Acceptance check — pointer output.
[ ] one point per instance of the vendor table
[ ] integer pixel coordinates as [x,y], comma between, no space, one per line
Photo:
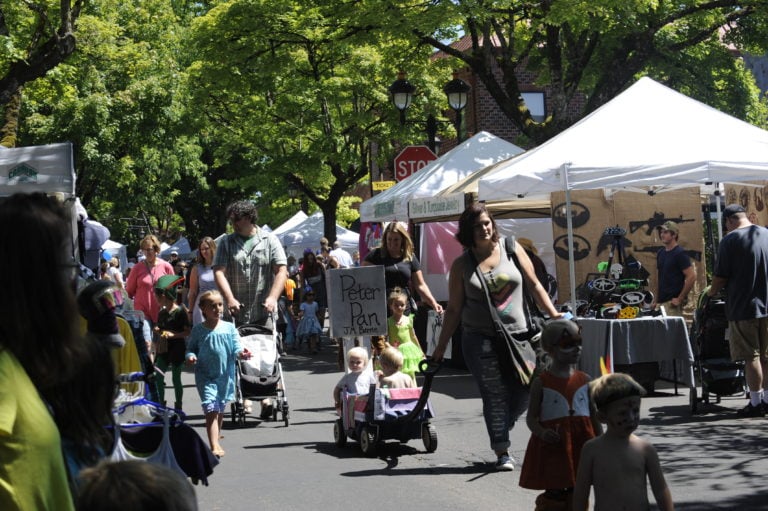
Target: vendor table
[632,341]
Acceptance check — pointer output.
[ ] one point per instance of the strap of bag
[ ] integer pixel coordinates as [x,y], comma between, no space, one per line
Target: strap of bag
[494,312]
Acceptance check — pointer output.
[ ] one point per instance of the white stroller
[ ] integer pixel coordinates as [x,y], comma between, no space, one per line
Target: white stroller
[261,376]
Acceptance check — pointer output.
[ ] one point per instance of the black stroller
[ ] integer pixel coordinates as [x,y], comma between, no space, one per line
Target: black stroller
[386,414]
[261,377]
[716,372]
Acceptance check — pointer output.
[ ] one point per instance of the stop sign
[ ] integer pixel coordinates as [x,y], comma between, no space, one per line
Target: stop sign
[411,159]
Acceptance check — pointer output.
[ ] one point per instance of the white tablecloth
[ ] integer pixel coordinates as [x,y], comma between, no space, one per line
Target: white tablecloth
[630,341]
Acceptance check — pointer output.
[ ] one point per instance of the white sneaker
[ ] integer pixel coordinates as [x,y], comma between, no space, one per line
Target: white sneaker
[505,463]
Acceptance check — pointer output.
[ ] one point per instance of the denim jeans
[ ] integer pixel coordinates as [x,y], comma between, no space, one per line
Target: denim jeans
[504,397]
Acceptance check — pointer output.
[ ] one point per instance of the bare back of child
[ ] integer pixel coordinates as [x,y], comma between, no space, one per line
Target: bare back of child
[391,376]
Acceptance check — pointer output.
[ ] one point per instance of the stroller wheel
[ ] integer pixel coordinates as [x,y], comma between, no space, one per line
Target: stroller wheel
[339,435]
[285,413]
[368,441]
[429,437]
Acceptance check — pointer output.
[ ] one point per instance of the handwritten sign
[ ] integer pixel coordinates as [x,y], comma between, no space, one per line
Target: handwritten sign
[357,302]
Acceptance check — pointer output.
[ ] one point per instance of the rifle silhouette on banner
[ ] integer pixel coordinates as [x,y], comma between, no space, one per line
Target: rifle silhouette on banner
[657,220]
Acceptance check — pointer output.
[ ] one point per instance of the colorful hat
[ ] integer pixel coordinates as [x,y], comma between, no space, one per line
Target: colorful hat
[97,303]
[167,285]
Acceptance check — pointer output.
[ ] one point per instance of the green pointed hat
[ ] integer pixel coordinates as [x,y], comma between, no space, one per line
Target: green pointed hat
[167,285]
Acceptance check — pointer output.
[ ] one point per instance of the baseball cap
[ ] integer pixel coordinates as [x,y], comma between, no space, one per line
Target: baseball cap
[670,226]
[732,209]
[174,252]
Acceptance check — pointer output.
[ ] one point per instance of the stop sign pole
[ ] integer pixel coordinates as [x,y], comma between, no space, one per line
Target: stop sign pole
[412,159]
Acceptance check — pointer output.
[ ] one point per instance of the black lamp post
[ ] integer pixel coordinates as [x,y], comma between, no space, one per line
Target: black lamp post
[457,91]
[401,91]
[293,192]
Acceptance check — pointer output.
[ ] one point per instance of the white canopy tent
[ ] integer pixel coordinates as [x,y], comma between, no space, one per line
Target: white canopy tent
[307,234]
[477,152]
[650,137]
[295,220]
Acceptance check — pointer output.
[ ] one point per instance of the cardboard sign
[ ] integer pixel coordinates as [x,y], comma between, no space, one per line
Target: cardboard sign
[357,301]
[640,215]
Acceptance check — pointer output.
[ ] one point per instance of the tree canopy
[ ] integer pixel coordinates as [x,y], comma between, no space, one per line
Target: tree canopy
[177,107]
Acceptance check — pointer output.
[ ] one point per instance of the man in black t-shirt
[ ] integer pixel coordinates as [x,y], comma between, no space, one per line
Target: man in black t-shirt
[741,269]
[676,275]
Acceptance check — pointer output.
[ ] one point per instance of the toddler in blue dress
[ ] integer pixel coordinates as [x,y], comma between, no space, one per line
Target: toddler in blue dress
[213,349]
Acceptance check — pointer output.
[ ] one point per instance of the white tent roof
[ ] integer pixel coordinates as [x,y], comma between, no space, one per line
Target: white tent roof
[308,233]
[295,220]
[477,152]
[649,136]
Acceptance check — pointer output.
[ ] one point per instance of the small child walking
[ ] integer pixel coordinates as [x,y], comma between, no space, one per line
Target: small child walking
[214,348]
[170,333]
[391,376]
[561,418]
[618,463]
[309,327]
[401,333]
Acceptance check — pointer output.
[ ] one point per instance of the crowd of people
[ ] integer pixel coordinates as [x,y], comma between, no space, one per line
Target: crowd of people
[246,276]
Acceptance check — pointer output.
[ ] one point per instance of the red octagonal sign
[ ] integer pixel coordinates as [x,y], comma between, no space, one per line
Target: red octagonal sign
[412,159]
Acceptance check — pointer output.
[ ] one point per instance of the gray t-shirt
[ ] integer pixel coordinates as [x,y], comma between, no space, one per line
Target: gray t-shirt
[505,283]
[742,258]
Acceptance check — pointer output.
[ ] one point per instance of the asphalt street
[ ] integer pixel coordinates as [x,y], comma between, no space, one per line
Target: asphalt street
[711,460]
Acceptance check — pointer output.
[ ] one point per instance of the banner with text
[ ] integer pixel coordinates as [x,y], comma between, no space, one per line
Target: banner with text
[436,206]
[357,301]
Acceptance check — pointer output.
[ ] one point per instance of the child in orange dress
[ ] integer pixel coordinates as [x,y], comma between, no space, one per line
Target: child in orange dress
[561,418]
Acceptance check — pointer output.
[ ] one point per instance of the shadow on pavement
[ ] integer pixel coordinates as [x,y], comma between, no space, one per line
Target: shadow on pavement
[757,500]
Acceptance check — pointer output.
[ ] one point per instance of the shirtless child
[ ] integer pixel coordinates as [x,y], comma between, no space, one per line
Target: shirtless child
[618,463]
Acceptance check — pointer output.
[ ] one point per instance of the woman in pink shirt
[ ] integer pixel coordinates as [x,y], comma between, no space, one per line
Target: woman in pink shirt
[142,278]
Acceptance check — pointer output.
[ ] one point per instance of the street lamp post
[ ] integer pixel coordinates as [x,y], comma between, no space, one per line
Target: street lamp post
[293,192]
[457,90]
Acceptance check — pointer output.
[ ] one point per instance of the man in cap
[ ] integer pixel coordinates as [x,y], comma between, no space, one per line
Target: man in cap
[175,260]
[742,270]
[676,275]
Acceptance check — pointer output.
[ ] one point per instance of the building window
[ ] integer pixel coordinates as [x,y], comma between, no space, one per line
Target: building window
[535,103]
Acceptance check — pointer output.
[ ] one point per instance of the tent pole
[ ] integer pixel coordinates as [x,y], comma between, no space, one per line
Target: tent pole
[569,226]
[719,215]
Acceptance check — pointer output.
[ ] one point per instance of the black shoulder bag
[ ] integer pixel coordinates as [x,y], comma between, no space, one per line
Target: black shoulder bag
[515,352]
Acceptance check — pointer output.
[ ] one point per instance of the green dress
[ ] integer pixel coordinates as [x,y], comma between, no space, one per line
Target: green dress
[400,337]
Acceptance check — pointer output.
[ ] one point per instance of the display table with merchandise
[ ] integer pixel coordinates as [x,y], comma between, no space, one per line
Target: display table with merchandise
[624,343]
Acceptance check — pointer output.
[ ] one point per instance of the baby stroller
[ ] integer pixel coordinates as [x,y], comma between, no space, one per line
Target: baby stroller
[387,414]
[260,377]
[718,374]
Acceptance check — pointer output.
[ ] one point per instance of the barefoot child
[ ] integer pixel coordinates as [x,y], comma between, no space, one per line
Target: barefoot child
[561,418]
[391,375]
[213,348]
[618,463]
